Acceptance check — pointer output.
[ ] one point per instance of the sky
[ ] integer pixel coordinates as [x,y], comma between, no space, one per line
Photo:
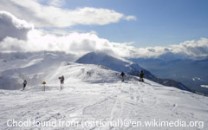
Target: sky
[129,28]
[158,22]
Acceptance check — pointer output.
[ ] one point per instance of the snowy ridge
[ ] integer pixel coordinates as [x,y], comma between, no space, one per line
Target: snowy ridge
[83,101]
[48,67]
[91,92]
[117,64]
[36,67]
[33,67]
[129,67]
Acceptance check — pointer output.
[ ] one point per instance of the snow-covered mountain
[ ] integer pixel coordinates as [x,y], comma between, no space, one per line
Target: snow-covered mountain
[192,73]
[92,92]
[38,66]
[34,67]
[117,64]
[45,66]
[132,68]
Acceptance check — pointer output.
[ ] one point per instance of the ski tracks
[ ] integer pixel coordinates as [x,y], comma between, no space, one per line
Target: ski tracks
[117,109]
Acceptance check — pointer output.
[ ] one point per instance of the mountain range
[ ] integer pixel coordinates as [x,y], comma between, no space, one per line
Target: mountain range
[127,66]
[192,73]
[92,91]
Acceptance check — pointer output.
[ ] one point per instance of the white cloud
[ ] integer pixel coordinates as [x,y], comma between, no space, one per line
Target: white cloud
[12,26]
[56,3]
[21,36]
[37,40]
[51,15]
[81,43]
[18,35]
[194,49]
[130,18]
[77,43]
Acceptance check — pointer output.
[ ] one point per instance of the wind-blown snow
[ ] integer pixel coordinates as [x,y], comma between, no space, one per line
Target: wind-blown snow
[34,67]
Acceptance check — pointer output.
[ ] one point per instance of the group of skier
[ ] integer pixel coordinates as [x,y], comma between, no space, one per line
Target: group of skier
[141,76]
[61,79]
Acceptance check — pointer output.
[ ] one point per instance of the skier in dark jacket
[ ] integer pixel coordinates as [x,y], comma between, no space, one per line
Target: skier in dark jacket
[61,82]
[122,76]
[24,84]
[141,75]
[44,85]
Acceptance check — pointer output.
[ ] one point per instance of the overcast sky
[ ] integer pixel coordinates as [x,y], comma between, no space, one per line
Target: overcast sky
[128,27]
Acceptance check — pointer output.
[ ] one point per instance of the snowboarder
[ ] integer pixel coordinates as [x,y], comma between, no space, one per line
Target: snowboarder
[24,84]
[141,75]
[61,82]
[122,76]
[44,83]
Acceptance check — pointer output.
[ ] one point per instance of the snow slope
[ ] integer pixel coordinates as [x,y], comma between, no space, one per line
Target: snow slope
[192,73]
[114,63]
[34,67]
[120,64]
[95,93]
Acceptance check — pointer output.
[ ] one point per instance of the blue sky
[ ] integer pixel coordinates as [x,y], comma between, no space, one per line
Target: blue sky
[159,22]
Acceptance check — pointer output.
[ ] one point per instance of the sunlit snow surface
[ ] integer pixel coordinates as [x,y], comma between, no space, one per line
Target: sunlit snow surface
[92,92]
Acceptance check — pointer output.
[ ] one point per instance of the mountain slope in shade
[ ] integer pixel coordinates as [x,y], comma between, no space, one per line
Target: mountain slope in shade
[192,73]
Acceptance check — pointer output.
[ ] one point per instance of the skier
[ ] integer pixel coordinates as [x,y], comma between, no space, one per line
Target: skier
[44,83]
[61,82]
[141,75]
[24,84]
[122,76]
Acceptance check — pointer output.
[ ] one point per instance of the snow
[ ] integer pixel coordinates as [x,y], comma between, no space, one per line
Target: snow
[115,63]
[34,67]
[81,101]
[91,93]
[204,86]
[196,78]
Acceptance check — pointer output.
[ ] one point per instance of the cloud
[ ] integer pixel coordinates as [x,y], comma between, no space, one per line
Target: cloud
[51,15]
[130,18]
[76,43]
[18,35]
[192,49]
[23,37]
[10,26]
[56,3]
[81,43]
